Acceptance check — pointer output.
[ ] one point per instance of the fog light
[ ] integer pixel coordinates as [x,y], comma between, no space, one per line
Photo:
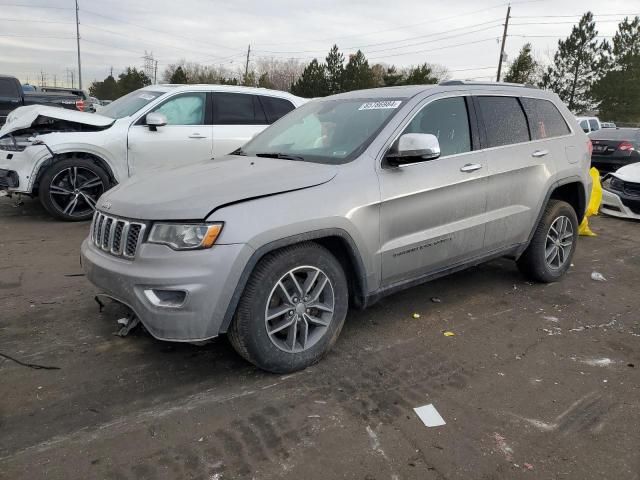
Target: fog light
[166,298]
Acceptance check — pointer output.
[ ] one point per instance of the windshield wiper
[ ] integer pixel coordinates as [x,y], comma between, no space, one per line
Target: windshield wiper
[282,156]
[238,151]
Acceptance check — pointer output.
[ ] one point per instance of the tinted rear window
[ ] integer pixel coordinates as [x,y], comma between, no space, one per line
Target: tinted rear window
[594,125]
[544,118]
[616,134]
[504,121]
[9,88]
[237,109]
[275,108]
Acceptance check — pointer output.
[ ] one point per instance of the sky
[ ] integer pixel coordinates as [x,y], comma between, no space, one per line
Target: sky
[39,36]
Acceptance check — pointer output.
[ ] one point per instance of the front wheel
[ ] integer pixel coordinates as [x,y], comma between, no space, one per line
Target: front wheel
[292,309]
[69,189]
[549,254]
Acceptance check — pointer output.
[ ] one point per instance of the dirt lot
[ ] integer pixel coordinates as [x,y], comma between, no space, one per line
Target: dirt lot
[538,381]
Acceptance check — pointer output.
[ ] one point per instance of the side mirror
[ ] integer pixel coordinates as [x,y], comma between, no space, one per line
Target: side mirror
[155,120]
[412,148]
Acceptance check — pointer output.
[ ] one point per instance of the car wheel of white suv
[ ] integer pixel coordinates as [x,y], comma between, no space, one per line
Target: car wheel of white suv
[292,309]
[69,189]
[549,254]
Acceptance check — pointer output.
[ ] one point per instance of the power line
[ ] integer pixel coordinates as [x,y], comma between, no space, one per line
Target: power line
[35,36]
[579,15]
[34,6]
[444,47]
[560,23]
[33,21]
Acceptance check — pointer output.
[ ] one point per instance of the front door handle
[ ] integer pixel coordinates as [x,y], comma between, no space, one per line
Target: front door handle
[540,153]
[470,167]
[197,135]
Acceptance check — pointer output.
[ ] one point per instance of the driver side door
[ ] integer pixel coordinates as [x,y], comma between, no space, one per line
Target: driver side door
[186,138]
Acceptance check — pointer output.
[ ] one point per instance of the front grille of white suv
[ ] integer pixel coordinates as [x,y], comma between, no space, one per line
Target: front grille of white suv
[116,236]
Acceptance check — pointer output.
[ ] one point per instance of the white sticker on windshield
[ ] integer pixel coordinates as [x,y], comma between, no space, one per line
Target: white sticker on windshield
[146,96]
[380,105]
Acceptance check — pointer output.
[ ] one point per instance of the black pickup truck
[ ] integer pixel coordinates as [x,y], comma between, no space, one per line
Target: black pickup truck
[12,97]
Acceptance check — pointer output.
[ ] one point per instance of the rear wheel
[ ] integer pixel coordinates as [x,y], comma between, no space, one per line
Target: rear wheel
[549,254]
[292,310]
[69,189]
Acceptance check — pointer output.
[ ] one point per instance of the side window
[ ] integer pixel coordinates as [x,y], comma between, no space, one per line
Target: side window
[186,109]
[504,120]
[594,125]
[448,120]
[545,119]
[9,88]
[584,125]
[237,109]
[275,108]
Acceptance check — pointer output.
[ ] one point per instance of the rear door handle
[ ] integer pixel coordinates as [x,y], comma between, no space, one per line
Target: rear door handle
[470,167]
[197,135]
[540,153]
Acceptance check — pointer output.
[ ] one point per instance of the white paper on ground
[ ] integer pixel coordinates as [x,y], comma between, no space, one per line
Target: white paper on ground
[429,416]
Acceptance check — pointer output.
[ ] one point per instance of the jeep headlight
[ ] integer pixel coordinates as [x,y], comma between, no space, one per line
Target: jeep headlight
[185,236]
[12,143]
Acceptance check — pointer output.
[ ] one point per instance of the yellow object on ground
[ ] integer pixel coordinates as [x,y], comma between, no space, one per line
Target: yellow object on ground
[594,203]
[448,334]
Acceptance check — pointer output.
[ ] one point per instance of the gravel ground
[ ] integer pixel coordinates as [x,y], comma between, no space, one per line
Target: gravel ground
[539,381]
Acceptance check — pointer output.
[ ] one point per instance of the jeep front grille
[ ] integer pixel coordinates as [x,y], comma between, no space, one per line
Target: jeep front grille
[116,236]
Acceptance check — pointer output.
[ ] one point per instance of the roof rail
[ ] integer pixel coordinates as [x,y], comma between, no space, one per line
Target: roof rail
[448,83]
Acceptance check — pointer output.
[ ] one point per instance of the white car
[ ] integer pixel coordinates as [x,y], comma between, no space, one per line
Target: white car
[621,192]
[68,158]
[589,124]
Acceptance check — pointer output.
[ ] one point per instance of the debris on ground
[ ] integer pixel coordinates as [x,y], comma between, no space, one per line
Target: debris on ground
[448,334]
[35,366]
[128,323]
[598,362]
[436,300]
[598,277]
[528,466]
[416,315]
[503,447]
[429,416]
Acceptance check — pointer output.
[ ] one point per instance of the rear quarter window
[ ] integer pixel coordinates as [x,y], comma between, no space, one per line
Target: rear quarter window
[544,118]
[275,108]
[237,109]
[504,121]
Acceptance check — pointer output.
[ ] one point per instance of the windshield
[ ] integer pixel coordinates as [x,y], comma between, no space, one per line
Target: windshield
[129,104]
[324,131]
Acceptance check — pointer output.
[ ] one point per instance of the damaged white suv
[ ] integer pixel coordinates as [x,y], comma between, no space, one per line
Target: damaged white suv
[68,159]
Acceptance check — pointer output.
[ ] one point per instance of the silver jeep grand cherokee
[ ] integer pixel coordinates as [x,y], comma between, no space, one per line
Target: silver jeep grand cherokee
[342,201]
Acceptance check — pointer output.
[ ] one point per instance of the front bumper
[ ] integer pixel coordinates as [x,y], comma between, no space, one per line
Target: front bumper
[620,205]
[208,277]
[8,179]
[22,168]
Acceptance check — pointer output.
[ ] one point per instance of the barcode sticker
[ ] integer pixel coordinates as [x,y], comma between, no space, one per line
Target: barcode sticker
[387,104]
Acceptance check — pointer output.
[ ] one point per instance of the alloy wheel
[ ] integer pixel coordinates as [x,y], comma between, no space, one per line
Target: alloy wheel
[559,243]
[74,191]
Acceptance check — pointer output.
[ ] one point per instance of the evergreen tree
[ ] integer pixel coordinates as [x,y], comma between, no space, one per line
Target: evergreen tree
[335,70]
[618,91]
[357,73]
[577,64]
[132,79]
[264,81]
[179,77]
[105,90]
[524,67]
[392,77]
[420,75]
[312,82]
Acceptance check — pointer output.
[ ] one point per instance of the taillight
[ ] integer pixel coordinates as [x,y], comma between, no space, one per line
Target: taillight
[80,105]
[625,147]
[590,147]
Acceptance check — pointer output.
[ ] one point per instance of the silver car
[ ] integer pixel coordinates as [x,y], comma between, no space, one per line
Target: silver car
[342,201]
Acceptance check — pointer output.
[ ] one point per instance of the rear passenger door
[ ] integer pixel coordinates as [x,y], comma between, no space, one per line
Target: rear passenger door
[432,212]
[523,144]
[237,117]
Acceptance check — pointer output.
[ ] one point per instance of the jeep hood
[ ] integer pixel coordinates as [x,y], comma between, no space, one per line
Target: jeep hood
[193,191]
[629,173]
[25,117]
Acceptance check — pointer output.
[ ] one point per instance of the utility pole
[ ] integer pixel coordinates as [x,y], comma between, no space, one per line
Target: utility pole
[78,41]
[155,74]
[55,80]
[246,67]
[504,39]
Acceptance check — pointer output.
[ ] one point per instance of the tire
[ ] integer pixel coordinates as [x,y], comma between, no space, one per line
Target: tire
[259,341]
[538,262]
[69,189]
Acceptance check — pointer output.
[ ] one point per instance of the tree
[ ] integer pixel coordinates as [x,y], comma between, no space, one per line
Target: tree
[132,79]
[578,63]
[178,76]
[357,73]
[264,81]
[618,91]
[312,82]
[335,70]
[420,75]
[524,67]
[392,77]
[105,90]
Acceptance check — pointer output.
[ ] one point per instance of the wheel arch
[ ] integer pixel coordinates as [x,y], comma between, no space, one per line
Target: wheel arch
[58,157]
[337,241]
